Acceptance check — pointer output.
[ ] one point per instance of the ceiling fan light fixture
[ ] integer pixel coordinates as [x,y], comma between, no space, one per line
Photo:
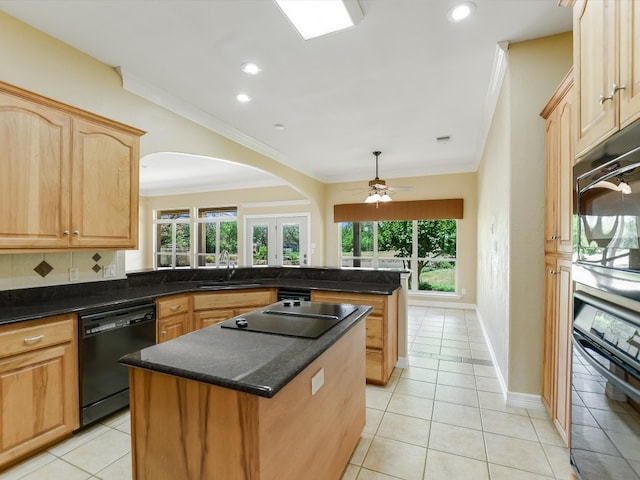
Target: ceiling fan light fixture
[372,198]
[385,197]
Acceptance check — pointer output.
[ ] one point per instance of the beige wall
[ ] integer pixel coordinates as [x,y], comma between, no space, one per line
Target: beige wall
[510,219]
[462,185]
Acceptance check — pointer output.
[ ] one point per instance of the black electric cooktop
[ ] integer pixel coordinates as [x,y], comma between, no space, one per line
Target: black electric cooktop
[292,318]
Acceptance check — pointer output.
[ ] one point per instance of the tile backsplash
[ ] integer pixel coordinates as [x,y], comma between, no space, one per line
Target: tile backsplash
[26,270]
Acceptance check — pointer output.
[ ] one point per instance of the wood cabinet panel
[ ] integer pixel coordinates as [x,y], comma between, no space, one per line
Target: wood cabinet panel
[174,317]
[173,327]
[104,193]
[38,386]
[35,165]
[211,317]
[629,26]
[172,305]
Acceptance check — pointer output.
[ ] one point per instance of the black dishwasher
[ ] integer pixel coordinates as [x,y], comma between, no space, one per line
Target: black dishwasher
[105,336]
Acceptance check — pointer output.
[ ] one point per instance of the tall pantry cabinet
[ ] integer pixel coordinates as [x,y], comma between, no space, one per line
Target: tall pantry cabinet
[558,288]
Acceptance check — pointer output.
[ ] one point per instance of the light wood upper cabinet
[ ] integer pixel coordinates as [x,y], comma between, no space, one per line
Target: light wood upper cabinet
[38,385]
[104,186]
[607,74]
[35,165]
[69,178]
[559,161]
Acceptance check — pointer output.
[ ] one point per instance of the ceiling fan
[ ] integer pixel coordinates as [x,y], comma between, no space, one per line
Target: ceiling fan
[378,190]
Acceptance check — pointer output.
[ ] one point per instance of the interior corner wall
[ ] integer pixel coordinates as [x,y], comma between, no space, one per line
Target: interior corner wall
[493,230]
[511,221]
[546,61]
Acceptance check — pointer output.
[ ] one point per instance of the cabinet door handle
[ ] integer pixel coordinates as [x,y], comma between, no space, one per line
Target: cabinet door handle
[552,272]
[76,232]
[175,308]
[614,89]
[163,332]
[66,232]
[30,340]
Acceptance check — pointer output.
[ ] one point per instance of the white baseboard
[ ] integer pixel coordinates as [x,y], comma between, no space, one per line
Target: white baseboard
[425,302]
[402,362]
[512,399]
[524,400]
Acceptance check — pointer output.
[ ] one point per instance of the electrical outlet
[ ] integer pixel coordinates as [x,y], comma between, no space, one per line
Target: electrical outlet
[74,275]
[109,271]
[317,381]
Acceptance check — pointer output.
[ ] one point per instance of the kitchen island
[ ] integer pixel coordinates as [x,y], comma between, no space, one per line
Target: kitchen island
[224,403]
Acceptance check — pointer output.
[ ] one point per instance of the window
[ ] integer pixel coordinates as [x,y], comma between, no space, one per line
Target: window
[426,247]
[217,233]
[173,238]
[186,240]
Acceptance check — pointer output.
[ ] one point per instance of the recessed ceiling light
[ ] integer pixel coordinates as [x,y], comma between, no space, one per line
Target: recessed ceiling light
[313,18]
[460,11]
[251,68]
[243,97]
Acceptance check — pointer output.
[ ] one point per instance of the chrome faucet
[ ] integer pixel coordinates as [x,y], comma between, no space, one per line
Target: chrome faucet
[226,258]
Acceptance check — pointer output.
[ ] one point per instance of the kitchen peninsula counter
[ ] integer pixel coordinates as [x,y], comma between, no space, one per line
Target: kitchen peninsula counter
[41,302]
[222,403]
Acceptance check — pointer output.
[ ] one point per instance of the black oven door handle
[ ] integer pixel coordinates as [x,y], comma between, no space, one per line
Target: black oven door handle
[582,345]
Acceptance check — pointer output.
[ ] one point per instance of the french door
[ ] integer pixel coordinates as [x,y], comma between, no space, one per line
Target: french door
[277,241]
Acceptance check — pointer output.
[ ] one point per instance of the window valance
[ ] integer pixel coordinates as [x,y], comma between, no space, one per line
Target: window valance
[448,208]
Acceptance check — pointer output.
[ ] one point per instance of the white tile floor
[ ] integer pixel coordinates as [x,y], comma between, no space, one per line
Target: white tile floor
[442,418]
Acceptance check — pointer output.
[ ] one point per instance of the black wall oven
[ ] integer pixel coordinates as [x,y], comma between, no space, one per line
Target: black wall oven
[605,406]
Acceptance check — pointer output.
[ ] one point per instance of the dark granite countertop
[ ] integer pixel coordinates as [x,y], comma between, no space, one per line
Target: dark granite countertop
[256,363]
[41,302]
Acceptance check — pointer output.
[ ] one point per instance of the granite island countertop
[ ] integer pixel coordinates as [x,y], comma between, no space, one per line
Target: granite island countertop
[252,362]
[41,302]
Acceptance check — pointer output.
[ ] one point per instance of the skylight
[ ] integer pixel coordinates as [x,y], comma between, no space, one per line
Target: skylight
[313,18]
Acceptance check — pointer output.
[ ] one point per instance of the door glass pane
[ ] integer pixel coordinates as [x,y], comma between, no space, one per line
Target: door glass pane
[260,238]
[290,244]
[207,244]
[229,240]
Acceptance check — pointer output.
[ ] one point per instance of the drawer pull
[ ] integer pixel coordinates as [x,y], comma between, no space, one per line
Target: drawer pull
[175,308]
[30,340]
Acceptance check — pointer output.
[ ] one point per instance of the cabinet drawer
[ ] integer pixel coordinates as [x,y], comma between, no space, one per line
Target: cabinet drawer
[243,298]
[374,368]
[208,318]
[375,337]
[27,336]
[172,305]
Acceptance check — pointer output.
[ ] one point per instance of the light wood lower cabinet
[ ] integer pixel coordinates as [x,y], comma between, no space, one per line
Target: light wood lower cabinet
[213,307]
[556,360]
[38,385]
[382,329]
[174,317]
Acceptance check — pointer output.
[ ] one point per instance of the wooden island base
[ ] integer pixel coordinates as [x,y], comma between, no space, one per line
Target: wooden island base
[183,429]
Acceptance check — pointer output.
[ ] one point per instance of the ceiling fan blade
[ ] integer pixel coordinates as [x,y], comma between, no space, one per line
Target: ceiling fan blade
[400,189]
